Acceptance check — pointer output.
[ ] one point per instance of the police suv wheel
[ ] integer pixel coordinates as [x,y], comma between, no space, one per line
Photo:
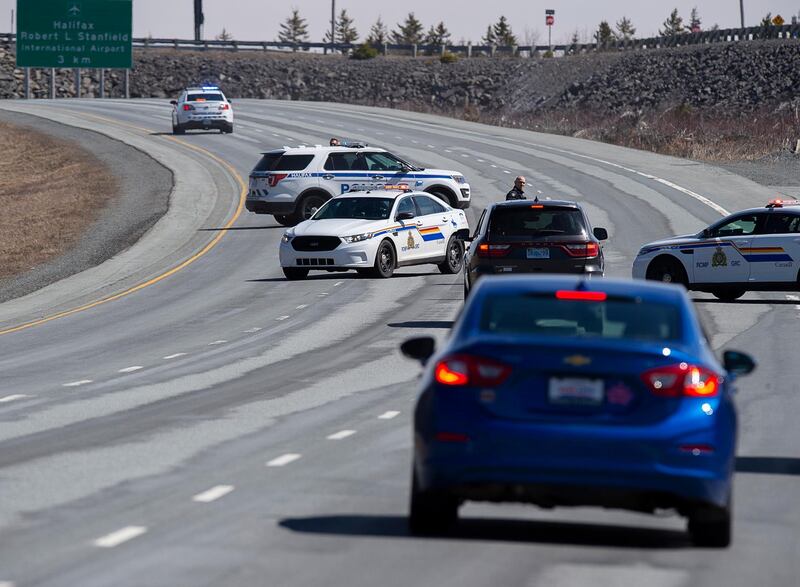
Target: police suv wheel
[309,205]
[385,261]
[454,257]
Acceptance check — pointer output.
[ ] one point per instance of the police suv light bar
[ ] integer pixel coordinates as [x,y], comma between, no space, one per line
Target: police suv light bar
[779,203]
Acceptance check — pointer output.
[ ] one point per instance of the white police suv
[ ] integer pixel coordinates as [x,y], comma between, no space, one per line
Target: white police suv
[202,108]
[752,250]
[292,183]
[374,232]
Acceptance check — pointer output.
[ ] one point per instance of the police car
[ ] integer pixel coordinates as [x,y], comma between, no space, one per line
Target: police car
[374,232]
[202,108]
[753,250]
[292,183]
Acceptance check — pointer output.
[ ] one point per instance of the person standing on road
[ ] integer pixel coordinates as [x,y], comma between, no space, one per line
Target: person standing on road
[518,191]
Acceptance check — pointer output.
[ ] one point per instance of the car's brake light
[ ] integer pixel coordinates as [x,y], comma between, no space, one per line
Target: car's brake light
[583,250]
[275,178]
[682,380]
[224,107]
[187,107]
[461,370]
[581,296]
[489,250]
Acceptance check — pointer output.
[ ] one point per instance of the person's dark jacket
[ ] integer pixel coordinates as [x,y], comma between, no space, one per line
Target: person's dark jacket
[516,194]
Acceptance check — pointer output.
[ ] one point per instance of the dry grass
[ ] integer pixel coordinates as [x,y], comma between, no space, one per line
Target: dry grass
[50,192]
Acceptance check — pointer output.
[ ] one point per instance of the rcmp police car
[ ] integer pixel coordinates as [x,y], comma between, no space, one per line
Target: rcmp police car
[292,183]
[375,232]
[202,108]
[752,250]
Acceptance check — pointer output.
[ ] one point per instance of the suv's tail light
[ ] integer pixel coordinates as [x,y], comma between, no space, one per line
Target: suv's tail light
[460,370]
[187,107]
[583,250]
[275,178]
[682,380]
[489,250]
[224,107]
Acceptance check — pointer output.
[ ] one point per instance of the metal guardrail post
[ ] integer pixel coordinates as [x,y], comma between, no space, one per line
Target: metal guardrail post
[102,83]
[385,49]
[52,83]
[26,83]
[414,51]
[127,84]
[77,82]
[469,50]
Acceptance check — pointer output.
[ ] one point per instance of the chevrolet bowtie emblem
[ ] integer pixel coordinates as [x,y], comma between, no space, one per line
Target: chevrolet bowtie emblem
[577,361]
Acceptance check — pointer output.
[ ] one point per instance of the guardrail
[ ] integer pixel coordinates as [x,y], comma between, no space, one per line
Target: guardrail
[791,31]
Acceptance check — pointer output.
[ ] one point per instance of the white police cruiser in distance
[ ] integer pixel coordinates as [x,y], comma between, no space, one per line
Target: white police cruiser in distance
[291,183]
[752,250]
[375,232]
[202,108]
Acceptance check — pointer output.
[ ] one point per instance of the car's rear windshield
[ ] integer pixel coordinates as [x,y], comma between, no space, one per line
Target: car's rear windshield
[613,318]
[205,98]
[281,162]
[525,222]
[356,208]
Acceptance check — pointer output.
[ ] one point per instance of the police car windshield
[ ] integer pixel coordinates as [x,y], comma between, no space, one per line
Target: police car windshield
[356,208]
[204,98]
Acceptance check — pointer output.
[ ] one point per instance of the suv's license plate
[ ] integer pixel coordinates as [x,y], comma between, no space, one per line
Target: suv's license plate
[539,253]
[576,391]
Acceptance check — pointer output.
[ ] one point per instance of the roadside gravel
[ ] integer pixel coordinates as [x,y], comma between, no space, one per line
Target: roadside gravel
[144,192]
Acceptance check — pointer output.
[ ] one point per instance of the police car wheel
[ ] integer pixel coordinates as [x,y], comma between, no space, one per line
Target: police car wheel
[295,273]
[384,261]
[667,270]
[177,129]
[364,272]
[454,257]
[729,294]
[284,220]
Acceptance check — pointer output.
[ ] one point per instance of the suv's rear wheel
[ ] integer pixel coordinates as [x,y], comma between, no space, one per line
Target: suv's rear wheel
[385,260]
[308,206]
[667,270]
[454,257]
[284,220]
[444,197]
[729,294]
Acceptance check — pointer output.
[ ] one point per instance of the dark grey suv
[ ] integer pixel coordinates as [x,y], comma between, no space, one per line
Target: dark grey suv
[525,236]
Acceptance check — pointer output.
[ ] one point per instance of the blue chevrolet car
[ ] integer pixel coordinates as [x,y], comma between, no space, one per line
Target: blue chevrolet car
[559,391]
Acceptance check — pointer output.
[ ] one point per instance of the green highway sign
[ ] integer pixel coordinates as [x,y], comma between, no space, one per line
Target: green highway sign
[74,33]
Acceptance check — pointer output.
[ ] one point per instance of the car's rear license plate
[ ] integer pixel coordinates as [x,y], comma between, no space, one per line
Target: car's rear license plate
[576,391]
[538,253]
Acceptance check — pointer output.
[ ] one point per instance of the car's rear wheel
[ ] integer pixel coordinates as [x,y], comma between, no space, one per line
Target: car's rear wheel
[385,261]
[729,294]
[284,220]
[308,206]
[295,273]
[667,270]
[711,527]
[430,512]
[454,257]
[228,129]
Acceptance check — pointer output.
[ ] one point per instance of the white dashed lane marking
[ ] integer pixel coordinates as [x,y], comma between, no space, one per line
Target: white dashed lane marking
[217,342]
[341,435]
[252,330]
[388,415]
[302,307]
[322,295]
[131,369]
[78,383]
[282,318]
[338,283]
[213,494]
[283,460]
[493,165]
[12,398]
[174,356]
[431,146]
[120,536]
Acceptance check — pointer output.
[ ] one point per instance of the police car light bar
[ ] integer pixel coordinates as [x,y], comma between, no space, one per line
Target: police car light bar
[779,203]
[403,187]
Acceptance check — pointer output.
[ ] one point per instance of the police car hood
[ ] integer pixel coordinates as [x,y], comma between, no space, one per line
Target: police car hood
[671,242]
[339,227]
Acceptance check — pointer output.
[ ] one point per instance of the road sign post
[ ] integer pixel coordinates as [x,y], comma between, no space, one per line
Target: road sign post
[550,20]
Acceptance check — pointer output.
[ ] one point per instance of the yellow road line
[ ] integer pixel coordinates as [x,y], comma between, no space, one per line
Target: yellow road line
[242,196]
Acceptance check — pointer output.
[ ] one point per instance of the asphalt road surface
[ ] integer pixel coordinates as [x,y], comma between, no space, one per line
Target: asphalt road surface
[223,426]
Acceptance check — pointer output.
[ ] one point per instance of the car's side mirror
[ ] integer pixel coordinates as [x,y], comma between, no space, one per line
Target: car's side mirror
[173,102]
[737,363]
[420,349]
[706,233]
[600,234]
[405,216]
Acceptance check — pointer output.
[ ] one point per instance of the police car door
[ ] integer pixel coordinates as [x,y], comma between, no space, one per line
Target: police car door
[337,176]
[406,236]
[436,226]
[775,251]
[722,258]
[385,168]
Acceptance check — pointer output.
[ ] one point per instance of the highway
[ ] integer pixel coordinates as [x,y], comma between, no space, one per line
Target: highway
[222,426]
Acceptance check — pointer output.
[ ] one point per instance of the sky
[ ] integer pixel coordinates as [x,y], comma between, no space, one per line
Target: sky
[259,20]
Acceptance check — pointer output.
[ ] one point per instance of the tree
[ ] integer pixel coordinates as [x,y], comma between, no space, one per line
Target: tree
[409,32]
[438,36]
[767,20]
[294,30]
[625,29]
[694,21]
[344,29]
[489,38]
[378,35]
[224,35]
[503,35]
[604,34]
[673,25]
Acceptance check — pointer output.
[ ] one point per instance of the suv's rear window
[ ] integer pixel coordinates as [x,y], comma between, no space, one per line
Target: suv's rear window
[281,162]
[614,318]
[205,98]
[526,222]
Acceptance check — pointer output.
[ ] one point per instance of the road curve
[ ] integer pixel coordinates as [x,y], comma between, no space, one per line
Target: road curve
[223,426]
